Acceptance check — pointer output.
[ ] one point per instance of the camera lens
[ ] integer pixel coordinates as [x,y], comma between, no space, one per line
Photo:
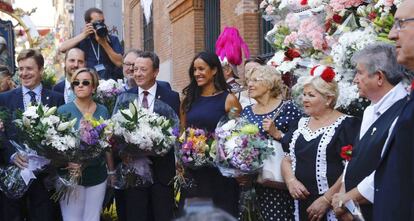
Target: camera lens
[100,28]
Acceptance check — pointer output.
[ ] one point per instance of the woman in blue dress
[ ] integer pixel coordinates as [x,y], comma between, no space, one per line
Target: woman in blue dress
[85,203]
[266,87]
[314,162]
[207,99]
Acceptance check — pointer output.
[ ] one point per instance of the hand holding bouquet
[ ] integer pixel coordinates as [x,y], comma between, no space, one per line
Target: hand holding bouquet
[45,137]
[241,151]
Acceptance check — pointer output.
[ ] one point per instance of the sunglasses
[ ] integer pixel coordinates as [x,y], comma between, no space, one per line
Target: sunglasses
[84,83]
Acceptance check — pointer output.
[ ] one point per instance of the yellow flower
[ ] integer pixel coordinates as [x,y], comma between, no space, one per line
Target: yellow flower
[250,129]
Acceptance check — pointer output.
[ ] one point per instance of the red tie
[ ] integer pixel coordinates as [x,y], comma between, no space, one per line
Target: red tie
[145,99]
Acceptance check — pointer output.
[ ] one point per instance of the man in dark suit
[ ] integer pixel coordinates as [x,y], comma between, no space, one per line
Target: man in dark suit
[74,59]
[394,177]
[145,202]
[36,201]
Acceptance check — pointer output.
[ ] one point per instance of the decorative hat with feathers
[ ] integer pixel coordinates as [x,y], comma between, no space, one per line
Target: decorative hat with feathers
[229,46]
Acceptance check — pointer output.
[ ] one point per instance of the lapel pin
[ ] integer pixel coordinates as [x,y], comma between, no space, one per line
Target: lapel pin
[159,97]
[373,131]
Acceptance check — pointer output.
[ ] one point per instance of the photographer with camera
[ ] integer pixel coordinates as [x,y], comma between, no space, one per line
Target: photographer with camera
[103,51]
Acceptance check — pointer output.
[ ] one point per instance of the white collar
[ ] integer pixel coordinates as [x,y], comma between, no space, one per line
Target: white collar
[230,79]
[37,89]
[396,93]
[67,84]
[151,91]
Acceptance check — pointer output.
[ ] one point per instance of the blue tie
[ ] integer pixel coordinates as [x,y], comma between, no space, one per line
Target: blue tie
[33,100]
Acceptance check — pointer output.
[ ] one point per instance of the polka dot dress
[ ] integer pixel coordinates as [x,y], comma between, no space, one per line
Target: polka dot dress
[275,204]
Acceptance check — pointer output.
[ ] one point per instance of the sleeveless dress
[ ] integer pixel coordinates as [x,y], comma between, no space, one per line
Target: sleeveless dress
[205,113]
[316,159]
[275,204]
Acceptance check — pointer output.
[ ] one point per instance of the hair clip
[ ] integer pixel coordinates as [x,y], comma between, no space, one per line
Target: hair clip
[325,72]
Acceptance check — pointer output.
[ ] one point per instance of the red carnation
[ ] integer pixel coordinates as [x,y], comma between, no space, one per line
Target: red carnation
[328,74]
[372,15]
[337,18]
[346,152]
[304,2]
[291,54]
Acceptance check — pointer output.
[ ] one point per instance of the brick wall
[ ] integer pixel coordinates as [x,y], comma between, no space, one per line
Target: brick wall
[179,31]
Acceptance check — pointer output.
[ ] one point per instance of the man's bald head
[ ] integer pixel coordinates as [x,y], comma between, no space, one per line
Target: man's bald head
[74,59]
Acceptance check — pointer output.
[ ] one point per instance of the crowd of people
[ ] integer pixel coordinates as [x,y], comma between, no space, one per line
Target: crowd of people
[321,180]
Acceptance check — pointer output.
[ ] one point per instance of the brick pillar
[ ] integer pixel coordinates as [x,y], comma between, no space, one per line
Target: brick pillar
[187,18]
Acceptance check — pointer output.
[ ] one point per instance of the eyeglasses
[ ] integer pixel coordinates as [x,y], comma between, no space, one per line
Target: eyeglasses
[254,80]
[84,83]
[398,23]
[129,65]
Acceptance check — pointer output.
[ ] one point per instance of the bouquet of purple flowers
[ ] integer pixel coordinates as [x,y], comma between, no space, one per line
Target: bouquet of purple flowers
[93,138]
[241,151]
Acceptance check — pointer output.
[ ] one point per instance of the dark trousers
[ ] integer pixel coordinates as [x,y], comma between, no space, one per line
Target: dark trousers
[35,205]
[120,204]
[154,203]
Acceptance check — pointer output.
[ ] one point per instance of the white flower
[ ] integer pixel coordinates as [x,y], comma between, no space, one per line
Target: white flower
[31,112]
[229,147]
[65,125]
[229,125]
[50,111]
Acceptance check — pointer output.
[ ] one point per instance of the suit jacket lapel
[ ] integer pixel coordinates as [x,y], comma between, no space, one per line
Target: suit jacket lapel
[18,93]
[45,97]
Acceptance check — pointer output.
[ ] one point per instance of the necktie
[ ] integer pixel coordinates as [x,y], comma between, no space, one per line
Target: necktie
[145,99]
[33,100]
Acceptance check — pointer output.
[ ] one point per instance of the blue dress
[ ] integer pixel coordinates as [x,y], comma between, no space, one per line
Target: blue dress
[316,159]
[275,204]
[205,113]
[95,173]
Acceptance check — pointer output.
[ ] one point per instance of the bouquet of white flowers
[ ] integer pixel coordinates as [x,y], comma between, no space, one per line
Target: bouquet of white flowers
[137,133]
[45,138]
[107,92]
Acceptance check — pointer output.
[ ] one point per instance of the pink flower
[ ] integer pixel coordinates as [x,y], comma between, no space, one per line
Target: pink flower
[388,3]
[291,39]
[339,5]
[292,21]
[269,9]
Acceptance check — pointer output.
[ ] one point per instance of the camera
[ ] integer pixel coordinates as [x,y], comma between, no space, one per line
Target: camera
[101,29]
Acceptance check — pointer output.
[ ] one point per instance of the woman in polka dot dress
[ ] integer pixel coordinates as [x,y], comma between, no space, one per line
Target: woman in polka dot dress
[314,163]
[265,86]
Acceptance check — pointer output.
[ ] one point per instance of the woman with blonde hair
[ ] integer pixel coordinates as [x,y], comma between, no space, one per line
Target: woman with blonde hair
[86,202]
[314,162]
[274,116]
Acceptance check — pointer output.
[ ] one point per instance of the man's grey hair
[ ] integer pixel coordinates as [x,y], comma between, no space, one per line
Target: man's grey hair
[137,52]
[380,57]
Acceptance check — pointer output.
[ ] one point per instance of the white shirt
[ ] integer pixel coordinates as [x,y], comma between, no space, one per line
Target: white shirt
[150,97]
[366,187]
[68,93]
[26,96]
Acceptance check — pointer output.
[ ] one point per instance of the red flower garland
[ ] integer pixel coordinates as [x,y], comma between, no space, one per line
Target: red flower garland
[346,152]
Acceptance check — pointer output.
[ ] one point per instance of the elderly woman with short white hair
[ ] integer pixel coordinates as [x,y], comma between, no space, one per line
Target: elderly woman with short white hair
[274,117]
[314,162]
